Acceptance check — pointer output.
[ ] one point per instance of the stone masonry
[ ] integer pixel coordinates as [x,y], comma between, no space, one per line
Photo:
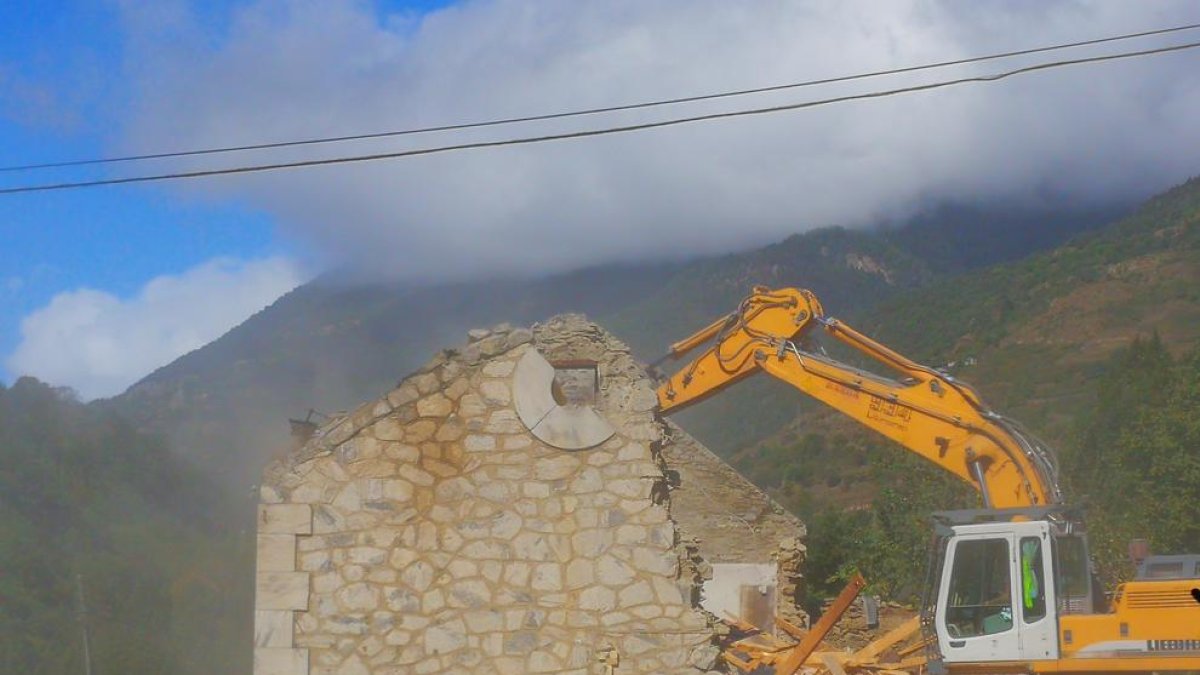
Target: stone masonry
[431,531]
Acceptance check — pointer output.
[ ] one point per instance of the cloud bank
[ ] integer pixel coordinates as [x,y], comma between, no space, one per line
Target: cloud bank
[280,70]
[101,344]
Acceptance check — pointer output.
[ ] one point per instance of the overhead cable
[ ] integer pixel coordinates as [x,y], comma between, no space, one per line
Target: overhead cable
[593,132]
[597,111]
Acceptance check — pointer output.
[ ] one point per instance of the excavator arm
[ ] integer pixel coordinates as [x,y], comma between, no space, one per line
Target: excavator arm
[926,411]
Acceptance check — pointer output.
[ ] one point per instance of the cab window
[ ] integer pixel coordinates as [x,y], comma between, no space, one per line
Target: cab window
[980,598]
[1033,580]
[1072,577]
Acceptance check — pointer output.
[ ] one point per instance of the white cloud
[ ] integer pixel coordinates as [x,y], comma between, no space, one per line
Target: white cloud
[286,69]
[100,344]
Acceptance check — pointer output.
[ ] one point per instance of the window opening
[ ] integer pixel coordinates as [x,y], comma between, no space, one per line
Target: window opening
[1073,581]
[980,598]
[576,382]
[1033,580]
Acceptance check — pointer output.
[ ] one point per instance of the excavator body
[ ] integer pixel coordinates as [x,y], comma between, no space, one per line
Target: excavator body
[1011,588]
[1012,591]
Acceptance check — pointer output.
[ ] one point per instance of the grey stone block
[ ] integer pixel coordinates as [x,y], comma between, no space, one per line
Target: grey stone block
[285,519]
[273,661]
[281,590]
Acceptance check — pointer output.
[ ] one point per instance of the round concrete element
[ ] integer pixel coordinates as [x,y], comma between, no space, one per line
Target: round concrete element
[570,427]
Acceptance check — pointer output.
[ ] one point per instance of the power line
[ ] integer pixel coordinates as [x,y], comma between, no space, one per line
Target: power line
[596,111]
[594,132]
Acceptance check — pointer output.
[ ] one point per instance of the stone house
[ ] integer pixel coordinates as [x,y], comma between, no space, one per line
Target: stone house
[516,506]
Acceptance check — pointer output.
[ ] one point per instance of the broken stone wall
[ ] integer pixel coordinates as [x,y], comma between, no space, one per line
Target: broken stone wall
[732,524]
[444,527]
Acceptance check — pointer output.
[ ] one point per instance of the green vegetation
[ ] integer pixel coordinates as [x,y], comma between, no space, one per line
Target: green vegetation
[1046,336]
[1132,465]
[83,493]
[887,540]
[1151,253]
[1135,465]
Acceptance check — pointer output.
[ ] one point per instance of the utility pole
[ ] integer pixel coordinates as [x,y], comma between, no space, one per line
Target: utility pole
[82,617]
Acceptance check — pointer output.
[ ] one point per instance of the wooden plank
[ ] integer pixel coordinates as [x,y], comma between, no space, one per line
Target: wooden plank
[815,659]
[871,652]
[833,664]
[740,624]
[775,644]
[744,666]
[752,644]
[915,647]
[758,655]
[799,654]
[789,627]
[908,666]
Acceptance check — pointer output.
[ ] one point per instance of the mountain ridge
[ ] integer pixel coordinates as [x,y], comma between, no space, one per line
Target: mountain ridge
[326,347]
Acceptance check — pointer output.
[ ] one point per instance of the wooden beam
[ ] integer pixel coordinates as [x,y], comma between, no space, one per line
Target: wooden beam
[740,623]
[744,666]
[789,627]
[871,652]
[815,659]
[916,646]
[833,664]
[799,654]
[751,645]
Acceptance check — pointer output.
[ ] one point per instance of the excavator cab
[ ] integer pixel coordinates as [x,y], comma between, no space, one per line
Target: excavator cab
[1002,580]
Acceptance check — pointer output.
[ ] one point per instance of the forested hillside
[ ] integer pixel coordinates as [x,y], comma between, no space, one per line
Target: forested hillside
[89,504]
[1077,343]
[1039,328]
[335,342]
[1130,463]
[1134,463]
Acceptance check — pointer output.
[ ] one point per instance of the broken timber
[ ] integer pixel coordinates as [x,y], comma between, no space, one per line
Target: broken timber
[801,651]
[760,649]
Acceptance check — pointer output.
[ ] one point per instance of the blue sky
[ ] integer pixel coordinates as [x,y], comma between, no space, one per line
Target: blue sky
[68,56]
[61,69]
[100,286]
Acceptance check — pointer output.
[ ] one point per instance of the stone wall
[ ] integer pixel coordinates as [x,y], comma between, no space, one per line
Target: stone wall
[431,531]
[732,521]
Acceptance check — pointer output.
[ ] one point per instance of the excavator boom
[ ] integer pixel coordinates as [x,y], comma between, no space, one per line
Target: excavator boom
[927,411]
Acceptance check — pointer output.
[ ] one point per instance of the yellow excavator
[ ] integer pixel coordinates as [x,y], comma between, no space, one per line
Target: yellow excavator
[1011,587]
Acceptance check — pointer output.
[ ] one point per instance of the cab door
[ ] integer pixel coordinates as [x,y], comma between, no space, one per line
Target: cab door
[977,599]
[1036,599]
